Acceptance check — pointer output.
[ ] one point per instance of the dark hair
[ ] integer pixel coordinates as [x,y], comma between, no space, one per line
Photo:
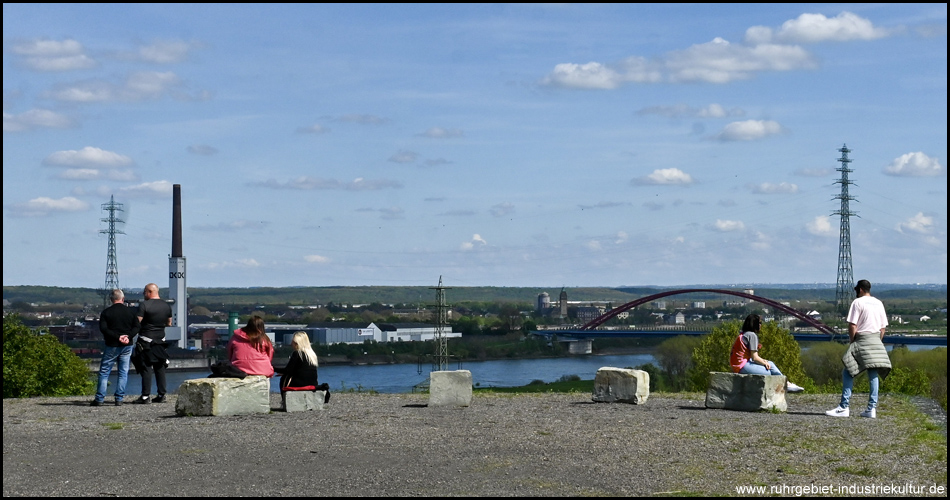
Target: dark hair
[255,333]
[863,285]
[752,323]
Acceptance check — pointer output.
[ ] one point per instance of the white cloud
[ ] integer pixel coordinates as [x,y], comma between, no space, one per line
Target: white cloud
[44,206]
[404,157]
[719,61]
[814,28]
[749,130]
[160,189]
[441,133]
[52,55]
[621,237]
[593,245]
[165,51]
[683,111]
[476,239]
[35,118]
[780,188]
[88,157]
[238,263]
[316,259]
[313,129]
[592,75]
[138,86]
[919,223]
[665,176]
[502,209]
[230,227]
[311,183]
[820,226]
[914,165]
[728,225]
[814,172]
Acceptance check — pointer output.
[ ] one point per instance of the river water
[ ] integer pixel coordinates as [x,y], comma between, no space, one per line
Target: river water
[401,378]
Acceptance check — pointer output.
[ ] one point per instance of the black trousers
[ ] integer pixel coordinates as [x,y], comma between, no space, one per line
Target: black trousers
[158,368]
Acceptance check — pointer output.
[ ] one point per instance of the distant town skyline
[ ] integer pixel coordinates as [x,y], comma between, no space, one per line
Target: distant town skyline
[515,145]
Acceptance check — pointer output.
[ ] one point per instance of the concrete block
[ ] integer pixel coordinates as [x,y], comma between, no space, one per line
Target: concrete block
[302,400]
[224,396]
[621,385]
[732,391]
[450,388]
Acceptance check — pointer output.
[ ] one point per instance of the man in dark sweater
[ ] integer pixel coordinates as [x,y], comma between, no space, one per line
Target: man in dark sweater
[118,325]
[150,356]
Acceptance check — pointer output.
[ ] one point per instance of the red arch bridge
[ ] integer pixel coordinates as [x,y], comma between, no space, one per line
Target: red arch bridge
[590,329]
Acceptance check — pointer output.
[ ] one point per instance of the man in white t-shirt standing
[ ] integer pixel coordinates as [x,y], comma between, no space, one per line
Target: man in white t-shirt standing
[867,322]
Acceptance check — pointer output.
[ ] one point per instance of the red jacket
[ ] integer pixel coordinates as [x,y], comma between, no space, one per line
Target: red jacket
[245,356]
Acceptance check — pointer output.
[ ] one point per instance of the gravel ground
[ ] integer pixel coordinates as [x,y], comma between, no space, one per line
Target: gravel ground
[502,445]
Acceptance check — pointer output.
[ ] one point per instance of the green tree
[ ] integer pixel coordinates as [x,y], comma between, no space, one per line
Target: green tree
[675,356]
[778,345]
[40,365]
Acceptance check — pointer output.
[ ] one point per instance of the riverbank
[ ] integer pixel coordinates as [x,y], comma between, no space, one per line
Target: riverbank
[502,445]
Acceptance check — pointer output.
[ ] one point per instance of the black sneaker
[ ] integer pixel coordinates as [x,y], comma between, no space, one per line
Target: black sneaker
[118,402]
[142,400]
[95,403]
[159,399]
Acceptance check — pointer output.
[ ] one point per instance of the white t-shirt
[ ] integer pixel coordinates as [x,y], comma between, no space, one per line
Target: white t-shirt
[867,314]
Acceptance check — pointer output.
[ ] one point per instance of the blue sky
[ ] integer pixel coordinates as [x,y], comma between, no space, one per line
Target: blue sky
[492,145]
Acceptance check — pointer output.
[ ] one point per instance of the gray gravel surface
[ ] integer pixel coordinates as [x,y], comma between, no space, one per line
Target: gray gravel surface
[502,445]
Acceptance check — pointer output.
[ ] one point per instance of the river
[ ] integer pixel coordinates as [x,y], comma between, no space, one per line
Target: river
[401,378]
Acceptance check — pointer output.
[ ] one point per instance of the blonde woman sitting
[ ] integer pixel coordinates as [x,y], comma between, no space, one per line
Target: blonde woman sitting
[300,374]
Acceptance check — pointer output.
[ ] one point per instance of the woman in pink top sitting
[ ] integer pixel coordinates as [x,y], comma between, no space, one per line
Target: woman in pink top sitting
[251,350]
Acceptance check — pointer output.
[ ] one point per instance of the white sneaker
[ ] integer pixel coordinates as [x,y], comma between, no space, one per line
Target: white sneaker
[839,412]
[795,388]
[872,413]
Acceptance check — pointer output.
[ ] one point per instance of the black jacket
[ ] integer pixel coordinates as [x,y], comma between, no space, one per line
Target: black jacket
[117,320]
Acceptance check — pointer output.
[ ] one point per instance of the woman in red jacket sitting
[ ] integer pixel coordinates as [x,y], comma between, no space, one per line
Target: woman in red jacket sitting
[250,350]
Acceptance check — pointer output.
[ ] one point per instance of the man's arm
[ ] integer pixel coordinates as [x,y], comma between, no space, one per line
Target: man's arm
[853,331]
[882,333]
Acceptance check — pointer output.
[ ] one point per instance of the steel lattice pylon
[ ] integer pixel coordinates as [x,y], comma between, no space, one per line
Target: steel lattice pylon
[844,292]
[112,267]
[441,341]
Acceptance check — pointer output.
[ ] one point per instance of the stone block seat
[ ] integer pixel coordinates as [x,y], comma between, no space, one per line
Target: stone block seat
[450,388]
[301,398]
[224,396]
[733,391]
[621,385]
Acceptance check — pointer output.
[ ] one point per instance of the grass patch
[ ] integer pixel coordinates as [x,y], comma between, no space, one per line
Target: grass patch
[113,426]
[863,471]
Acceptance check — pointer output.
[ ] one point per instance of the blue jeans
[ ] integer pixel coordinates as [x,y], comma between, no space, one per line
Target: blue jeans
[848,384]
[752,368]
[119,356]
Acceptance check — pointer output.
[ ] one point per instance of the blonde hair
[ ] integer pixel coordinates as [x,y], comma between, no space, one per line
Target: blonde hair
[302,345]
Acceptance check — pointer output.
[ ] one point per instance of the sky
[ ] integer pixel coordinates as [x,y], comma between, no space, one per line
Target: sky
[500,145]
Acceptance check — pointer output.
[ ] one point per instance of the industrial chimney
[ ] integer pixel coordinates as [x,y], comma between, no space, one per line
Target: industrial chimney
[177,290]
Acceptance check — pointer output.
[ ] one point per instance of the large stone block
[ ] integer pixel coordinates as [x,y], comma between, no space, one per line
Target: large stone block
[224,396]
[302,400]
[621,385]
[450,388]
[732,391]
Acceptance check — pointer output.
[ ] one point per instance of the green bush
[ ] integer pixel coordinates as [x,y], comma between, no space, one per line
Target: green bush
[40,365]
[778,346]
[822,362]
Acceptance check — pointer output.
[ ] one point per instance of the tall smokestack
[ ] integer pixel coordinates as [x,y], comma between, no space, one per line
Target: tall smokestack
[176,221]
[177,288]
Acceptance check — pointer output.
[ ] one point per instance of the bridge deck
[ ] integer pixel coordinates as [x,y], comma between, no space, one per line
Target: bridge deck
[934,340]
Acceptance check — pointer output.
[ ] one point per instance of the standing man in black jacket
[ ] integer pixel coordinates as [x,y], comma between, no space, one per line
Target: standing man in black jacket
[119,326]
[150,356]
